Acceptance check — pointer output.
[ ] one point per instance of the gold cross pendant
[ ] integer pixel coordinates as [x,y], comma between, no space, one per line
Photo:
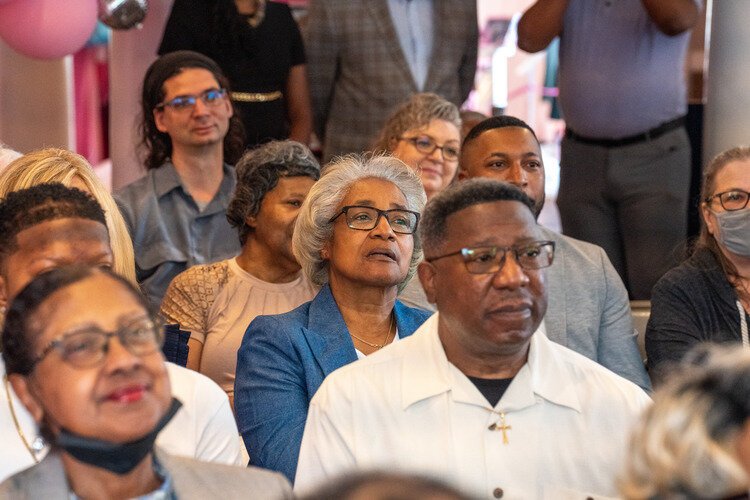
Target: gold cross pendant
[501,427]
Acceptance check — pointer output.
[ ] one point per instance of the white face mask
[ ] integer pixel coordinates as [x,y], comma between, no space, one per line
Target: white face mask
[735,231]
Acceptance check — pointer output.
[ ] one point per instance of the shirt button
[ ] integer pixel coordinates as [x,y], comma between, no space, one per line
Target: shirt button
[497,493]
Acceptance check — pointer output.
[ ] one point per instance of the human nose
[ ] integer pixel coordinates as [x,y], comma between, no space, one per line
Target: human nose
[510,275]
[118,357]
[383,228]
[200,107]
[518,176]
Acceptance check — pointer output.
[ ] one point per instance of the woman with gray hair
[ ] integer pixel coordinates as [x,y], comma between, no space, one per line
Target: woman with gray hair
[694,441]
[215,302]
[356,237]
[425,133]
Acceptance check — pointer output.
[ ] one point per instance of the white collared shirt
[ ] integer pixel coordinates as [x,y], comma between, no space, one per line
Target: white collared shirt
[408,408]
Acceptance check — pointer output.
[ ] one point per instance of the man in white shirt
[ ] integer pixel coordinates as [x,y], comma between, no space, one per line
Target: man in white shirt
[478,395]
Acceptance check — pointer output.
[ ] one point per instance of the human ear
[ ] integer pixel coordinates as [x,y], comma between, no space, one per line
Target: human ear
[708,218]
[159,120]
[251,220]
[426,273]
[21,386]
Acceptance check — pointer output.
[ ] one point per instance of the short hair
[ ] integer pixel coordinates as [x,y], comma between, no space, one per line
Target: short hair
[63,166]
[19,332]
[685,444]
[26,208]
[313,228]
[258,172]
[417,112]
[494,122]
[157,145]
[706,239]
[378,485]
[463,195]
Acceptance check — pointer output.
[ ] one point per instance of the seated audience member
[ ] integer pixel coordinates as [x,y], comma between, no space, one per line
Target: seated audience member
[424,133]
[355,237]
[385,486]
[469,119]
[176,214]
[478,395]
[48,226]
[7,155]
[83,353]
[588,308]
[694,441]
[216,302]
[707,297]
[72,170]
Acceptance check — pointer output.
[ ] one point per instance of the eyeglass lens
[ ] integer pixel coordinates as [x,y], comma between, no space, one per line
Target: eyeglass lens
[366,218]
[88,347]
[733,200]
[491,259]
[426,145]
[210,97]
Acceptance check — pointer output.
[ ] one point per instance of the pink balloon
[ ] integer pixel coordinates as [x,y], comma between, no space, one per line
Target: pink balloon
[47,29]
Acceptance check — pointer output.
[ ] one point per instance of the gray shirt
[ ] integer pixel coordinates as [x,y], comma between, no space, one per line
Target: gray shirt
[414,26]
[619,75]
[170,233]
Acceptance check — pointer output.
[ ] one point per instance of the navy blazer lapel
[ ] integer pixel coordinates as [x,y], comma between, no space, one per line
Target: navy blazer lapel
[326,333]
[381,16]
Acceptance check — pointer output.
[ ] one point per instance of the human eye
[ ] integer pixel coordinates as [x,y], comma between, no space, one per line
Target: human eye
[530,251]
[498,164]
[533,165]
[361,215]
[212,96]
[481,255]
[451,152]
[424,143]
[401,219]
[182,102]
[82,344]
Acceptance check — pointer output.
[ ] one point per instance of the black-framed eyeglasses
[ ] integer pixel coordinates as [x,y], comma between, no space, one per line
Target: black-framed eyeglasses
[211,97]
[489,260]
[365,218]
[734,199]
[425,144]
[88,346]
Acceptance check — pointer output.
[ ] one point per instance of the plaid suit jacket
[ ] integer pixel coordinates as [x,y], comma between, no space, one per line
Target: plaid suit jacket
[358,72]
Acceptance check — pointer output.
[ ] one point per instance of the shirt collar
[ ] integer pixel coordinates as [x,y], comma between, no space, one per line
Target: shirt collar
[167,179]
[427,373]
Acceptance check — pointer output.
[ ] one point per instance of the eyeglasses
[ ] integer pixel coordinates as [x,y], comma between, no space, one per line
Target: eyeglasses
[211,97]
[427,145]
[489,260]
[367,218]
[87,347]
[736,199]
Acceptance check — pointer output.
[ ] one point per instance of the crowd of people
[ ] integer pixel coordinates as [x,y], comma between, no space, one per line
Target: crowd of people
[391,321]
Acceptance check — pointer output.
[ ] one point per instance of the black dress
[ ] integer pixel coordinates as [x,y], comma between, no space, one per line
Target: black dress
[256,60]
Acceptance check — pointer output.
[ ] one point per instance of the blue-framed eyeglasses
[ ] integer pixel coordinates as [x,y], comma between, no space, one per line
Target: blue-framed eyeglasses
[211,97]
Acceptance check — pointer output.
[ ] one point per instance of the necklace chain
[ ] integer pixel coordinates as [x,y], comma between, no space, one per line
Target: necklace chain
[15,421]
[385,340]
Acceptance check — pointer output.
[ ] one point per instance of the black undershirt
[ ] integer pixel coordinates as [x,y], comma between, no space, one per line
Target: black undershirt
[492,388]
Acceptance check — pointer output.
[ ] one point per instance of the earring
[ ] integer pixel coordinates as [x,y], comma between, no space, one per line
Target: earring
[38,444]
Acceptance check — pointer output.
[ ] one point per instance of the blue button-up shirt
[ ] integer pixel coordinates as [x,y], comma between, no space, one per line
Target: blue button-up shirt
[170,233]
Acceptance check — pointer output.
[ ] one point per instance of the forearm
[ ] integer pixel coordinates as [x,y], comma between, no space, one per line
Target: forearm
[672,17]
[540,24]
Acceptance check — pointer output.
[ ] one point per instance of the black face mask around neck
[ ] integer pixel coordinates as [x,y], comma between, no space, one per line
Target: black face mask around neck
[119,458]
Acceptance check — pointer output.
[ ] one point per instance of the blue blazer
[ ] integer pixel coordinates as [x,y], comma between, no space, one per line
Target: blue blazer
[281,363]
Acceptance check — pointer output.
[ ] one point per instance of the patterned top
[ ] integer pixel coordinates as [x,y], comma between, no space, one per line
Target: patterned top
[216,302]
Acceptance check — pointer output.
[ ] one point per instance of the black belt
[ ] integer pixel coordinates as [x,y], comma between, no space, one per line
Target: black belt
[631,139]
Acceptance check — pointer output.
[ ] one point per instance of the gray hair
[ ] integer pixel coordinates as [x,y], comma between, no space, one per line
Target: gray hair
[686,443]
[259,171]
[459,196]
[313,228]
[417,112]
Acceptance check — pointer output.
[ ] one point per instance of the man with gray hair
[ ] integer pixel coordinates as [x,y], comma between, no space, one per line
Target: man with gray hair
[478,395]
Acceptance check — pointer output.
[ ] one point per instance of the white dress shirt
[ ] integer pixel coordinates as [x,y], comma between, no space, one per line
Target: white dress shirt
[408,408]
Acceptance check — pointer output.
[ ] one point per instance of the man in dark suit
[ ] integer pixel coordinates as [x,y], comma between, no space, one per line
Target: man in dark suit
[366,56]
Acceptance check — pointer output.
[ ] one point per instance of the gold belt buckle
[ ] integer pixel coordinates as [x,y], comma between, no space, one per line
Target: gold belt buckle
[256,96]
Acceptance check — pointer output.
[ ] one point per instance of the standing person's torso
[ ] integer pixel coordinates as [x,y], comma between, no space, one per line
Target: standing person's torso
[619,75]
